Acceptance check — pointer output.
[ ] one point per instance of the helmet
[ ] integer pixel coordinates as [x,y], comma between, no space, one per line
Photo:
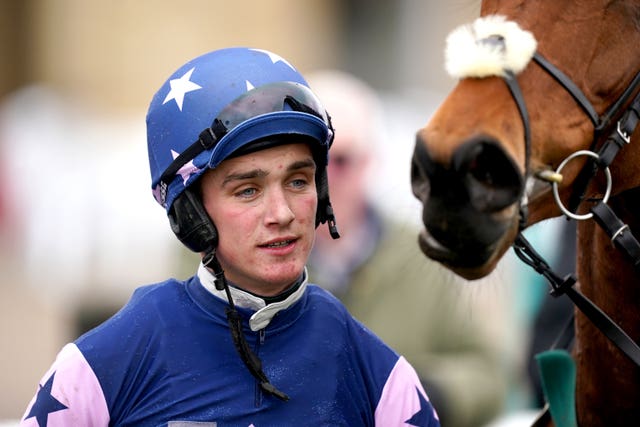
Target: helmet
[219,103]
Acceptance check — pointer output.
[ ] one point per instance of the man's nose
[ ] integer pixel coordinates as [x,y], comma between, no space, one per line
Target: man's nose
[278,208]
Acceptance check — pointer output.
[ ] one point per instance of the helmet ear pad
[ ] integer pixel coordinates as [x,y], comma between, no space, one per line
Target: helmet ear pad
[190,222]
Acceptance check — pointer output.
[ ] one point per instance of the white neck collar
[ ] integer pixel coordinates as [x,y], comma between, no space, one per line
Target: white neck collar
[263,312]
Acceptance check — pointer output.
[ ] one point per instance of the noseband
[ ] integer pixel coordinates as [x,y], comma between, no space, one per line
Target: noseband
[619,232]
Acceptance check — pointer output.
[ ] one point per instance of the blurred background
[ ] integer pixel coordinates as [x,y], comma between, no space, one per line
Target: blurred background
[79,227]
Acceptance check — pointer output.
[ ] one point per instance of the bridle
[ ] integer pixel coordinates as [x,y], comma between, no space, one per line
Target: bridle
[621,136]
[628,114]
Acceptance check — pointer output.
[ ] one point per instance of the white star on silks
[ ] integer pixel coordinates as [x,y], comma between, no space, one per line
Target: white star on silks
[179,87]
[185,171]
[274,58]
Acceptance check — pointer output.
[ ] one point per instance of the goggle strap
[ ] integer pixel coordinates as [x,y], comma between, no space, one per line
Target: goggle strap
[299,106]
[207,139]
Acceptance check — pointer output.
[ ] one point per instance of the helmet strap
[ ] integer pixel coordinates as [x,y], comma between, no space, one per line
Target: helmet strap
[249,358]
[325,210]
[331,222]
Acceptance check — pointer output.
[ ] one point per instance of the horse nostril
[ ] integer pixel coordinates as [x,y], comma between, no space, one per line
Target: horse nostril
[420,164]
[492,179]
[417,179]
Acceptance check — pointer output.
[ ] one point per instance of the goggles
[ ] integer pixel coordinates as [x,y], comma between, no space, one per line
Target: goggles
[266,99]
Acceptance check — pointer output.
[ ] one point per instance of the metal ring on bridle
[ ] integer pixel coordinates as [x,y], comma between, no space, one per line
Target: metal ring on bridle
[554,185]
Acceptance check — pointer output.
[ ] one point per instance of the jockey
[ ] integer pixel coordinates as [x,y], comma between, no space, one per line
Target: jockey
[238,147]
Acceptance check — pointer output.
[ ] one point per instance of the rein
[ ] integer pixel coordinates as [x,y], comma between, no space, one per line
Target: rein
[564,286]
[619,232]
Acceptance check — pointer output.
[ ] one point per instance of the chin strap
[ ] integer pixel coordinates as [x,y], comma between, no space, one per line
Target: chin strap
[250,359]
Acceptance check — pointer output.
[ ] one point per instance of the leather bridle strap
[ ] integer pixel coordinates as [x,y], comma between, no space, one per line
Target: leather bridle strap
[600,123]
[559,286]
[568,84]
[516,93]
[617,139]
[619,233]
[621,136]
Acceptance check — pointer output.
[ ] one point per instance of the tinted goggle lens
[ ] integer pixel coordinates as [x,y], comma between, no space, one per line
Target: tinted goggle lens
[271,98]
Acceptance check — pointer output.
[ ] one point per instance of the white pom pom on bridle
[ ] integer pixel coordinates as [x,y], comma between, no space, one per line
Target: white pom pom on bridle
[490,46]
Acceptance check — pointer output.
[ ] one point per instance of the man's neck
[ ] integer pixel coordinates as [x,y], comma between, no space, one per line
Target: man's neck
[275,298]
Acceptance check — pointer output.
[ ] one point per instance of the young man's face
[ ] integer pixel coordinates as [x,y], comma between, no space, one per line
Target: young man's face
[264,207]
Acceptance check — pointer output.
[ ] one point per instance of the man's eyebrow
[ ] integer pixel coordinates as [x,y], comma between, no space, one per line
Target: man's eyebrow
[301,164]
[255,173]
[259,173]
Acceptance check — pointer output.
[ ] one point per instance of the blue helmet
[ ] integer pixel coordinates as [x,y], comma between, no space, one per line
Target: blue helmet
[218,104]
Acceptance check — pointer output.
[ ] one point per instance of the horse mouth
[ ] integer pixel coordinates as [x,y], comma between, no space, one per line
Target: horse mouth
[434,250]
[470,203]
[469,262]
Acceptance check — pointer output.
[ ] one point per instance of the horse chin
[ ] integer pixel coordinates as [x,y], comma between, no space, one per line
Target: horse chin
[469,259]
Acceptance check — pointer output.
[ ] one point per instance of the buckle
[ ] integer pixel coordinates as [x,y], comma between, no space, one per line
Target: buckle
[624,135]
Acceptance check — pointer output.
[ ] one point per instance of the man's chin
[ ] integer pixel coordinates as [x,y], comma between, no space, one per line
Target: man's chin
[280,282]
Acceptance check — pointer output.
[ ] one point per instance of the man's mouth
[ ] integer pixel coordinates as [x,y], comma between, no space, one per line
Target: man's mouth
[279,244]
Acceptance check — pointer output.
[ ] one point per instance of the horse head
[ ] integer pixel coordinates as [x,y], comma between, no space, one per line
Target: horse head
[484,164]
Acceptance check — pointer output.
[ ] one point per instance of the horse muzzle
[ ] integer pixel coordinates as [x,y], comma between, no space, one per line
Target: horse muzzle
[470,204]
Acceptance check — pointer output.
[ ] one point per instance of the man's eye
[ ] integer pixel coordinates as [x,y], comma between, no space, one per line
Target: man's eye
[246,192]
[299,183]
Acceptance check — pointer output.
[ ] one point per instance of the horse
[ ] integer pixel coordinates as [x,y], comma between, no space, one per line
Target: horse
[539,124]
